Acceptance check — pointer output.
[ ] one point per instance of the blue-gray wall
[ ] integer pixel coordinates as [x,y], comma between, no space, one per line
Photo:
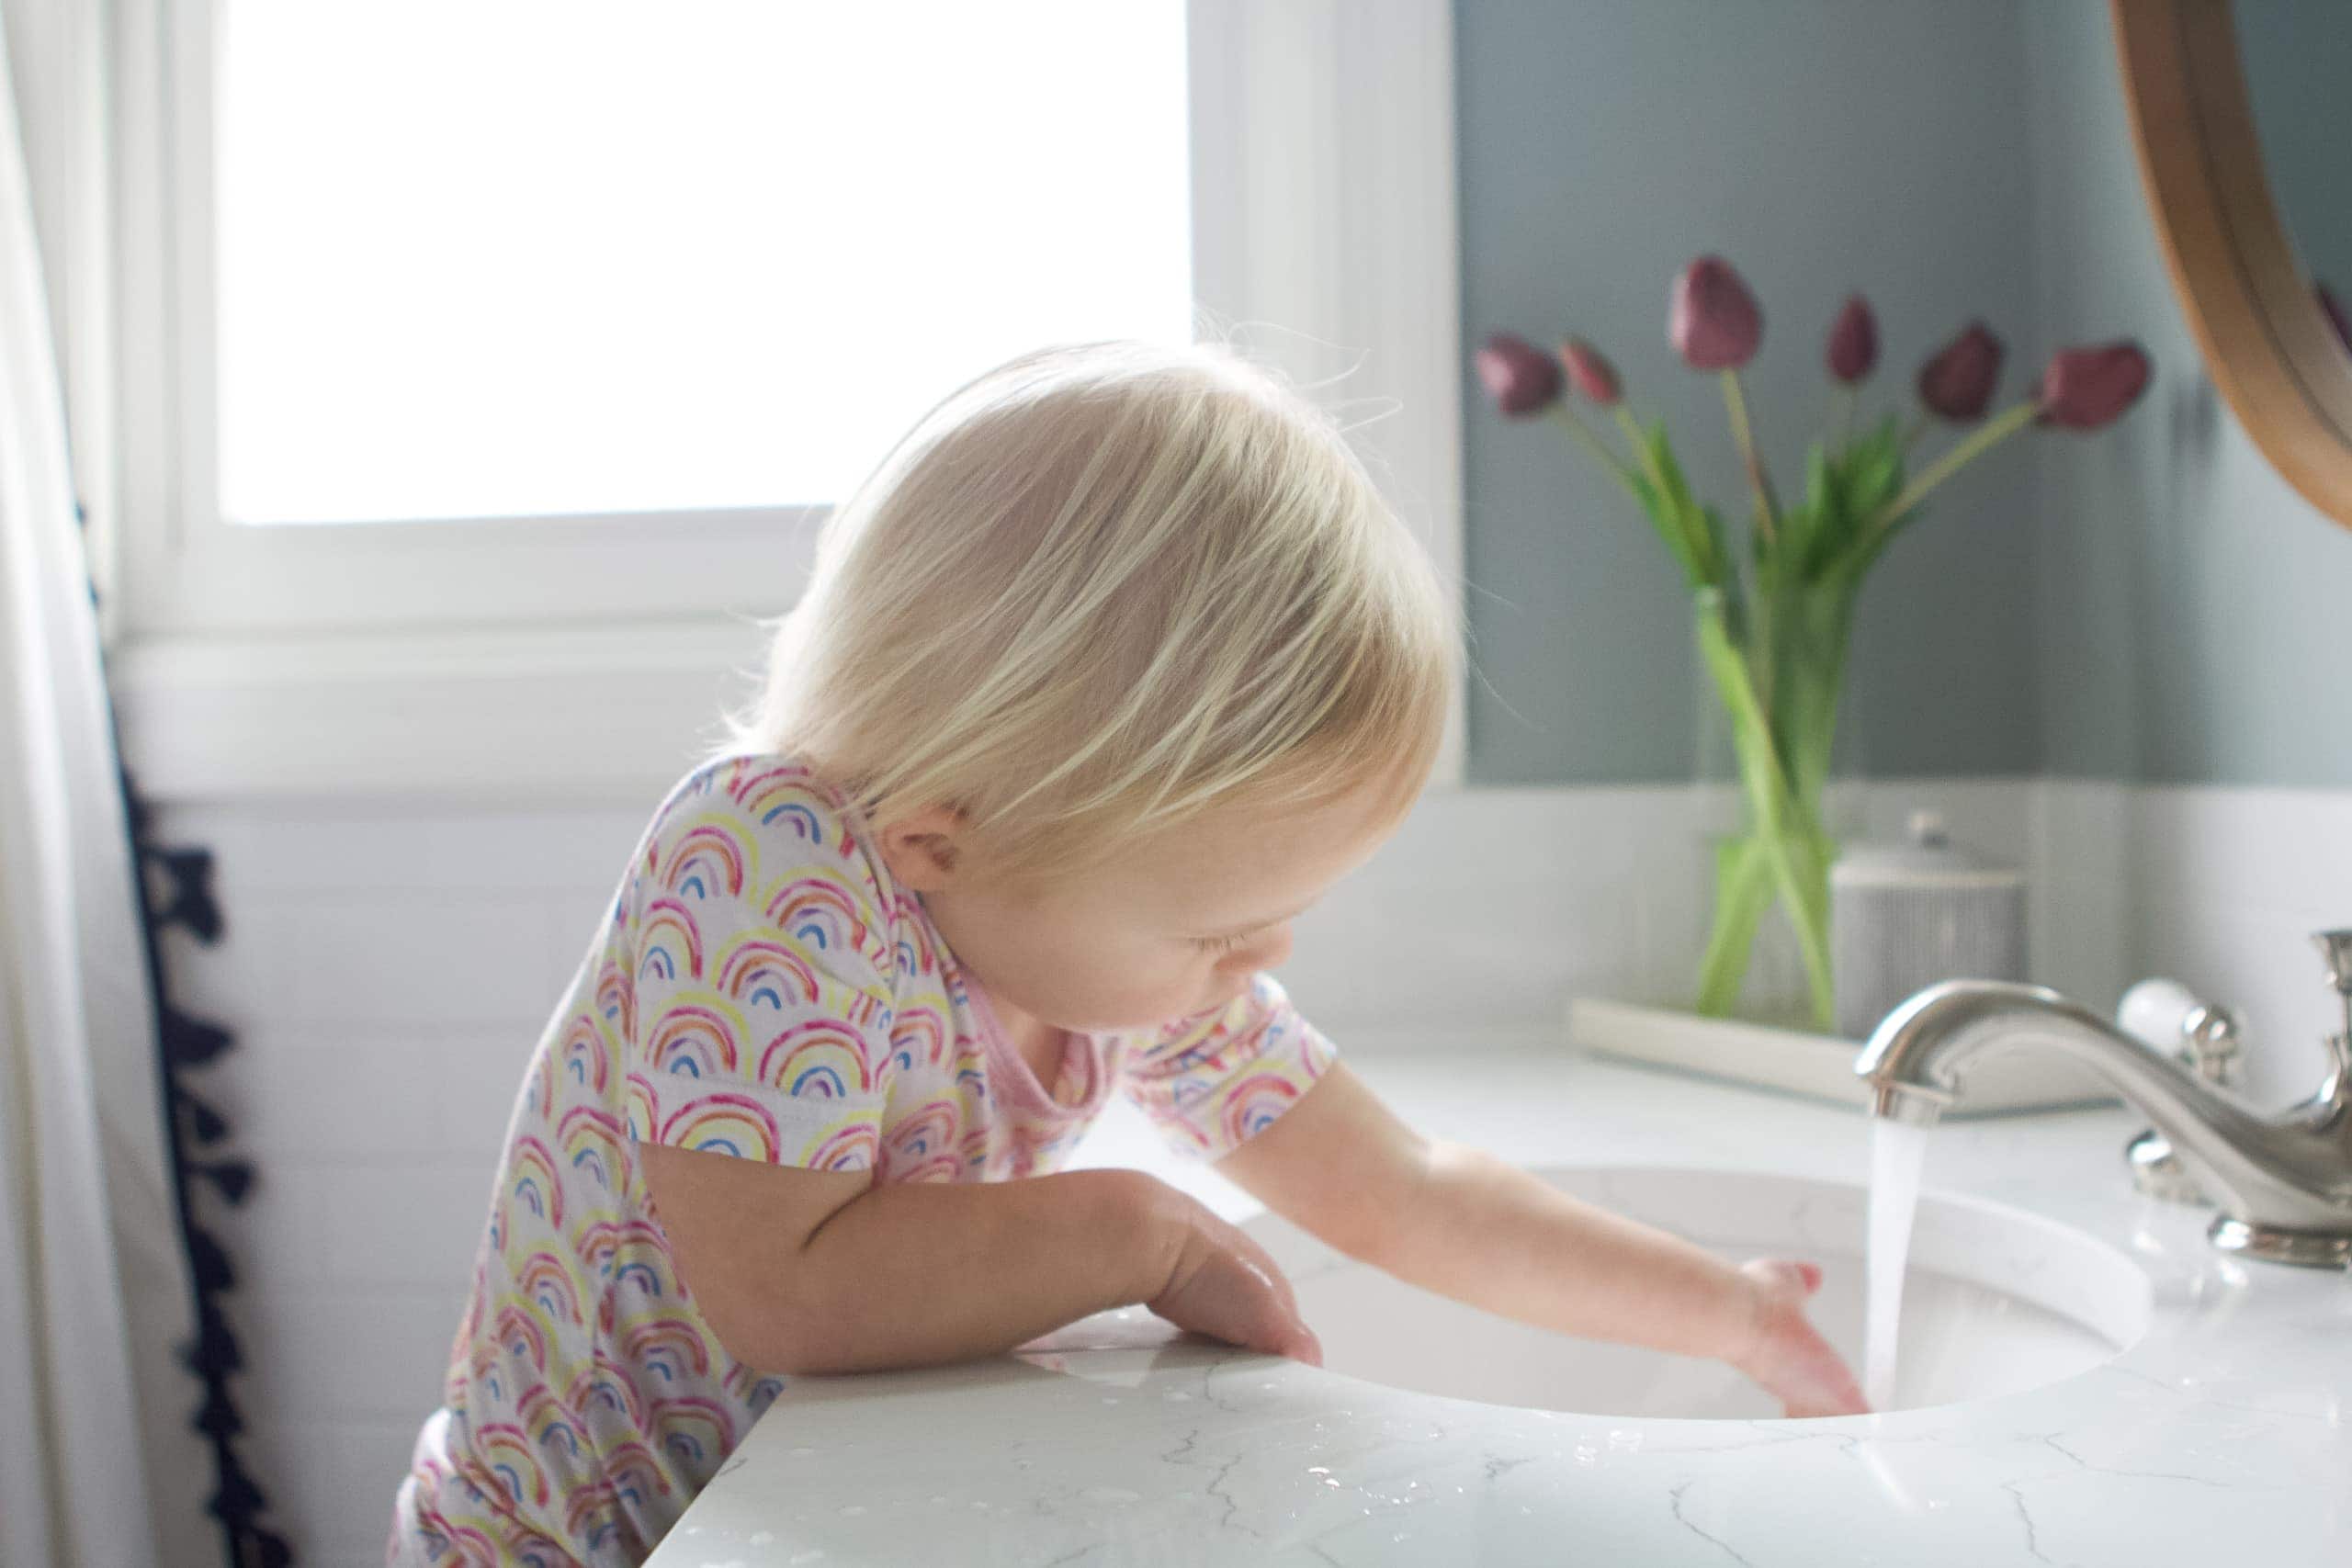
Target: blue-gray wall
[1823,146]
[2195,614]
[2150,603]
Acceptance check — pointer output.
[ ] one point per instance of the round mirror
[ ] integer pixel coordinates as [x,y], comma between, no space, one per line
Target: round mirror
[2240,113]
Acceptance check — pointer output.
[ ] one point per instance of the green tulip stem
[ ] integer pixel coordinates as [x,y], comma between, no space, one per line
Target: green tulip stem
[1594,445]
[1992,433]
[1768,514]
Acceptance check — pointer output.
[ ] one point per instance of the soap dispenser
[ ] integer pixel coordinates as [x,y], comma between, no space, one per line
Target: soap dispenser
[1904,917]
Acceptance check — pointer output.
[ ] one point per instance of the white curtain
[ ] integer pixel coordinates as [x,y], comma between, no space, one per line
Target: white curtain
[97,1464]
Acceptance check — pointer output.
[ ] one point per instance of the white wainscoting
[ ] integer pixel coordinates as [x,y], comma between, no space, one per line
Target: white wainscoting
[388,968]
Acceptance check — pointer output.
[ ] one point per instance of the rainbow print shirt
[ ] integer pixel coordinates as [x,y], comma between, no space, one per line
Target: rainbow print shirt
[762,989]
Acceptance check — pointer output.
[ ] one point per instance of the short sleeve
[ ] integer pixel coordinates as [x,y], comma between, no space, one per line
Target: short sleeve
[753,932]
[1210,1081]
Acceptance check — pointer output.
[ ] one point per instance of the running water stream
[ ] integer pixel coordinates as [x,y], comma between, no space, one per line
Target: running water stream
[1897,1151]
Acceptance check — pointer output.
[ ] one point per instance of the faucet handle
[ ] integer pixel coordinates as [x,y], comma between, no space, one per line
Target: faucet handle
[2213,1037]
[2336,948]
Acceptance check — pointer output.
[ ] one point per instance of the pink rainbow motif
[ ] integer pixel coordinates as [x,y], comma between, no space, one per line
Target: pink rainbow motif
[666,1348]
[605,1383]
[926,1131]
[704,859]
[583,1053]
[866,1010]
[641,1273]
[694,1431]
[818,1058]
[594,1141]
[788,793]
[853,1147]
[506,1453]
[547,1282]
[756,969]
[527,1548]
[636,1477]
[820,911]
[617,999]
[590,1517]
[669,930]
[1255,1102]
[640,1107]
[696,1038]
[531,1180]
[934,1167]
[522,1331]
[727,1123]
[917,1034]
[602,1243]
[549,1423]
[477,1546]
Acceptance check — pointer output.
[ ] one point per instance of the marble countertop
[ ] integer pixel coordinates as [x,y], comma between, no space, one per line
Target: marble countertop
[2221,1437]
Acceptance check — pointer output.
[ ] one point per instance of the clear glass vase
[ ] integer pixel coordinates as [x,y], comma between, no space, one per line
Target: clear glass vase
[1770,981]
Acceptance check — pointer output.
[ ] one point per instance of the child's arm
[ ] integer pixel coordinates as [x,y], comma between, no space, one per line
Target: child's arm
[1453,1218]
[799,1270]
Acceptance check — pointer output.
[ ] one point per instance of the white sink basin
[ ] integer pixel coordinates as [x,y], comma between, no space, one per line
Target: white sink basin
[1998,1301]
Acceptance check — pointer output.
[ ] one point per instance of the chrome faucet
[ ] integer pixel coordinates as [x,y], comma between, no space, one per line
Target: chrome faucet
[2283,1183]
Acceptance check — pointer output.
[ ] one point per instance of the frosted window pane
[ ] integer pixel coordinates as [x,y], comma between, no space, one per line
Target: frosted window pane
[500,258]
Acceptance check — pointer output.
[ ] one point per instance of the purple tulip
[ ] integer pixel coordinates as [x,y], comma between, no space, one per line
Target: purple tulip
[2087,387]
[1853,341]
[1711,318]
[1520,378]
[2334,308]
[1593,377]
[1958,382]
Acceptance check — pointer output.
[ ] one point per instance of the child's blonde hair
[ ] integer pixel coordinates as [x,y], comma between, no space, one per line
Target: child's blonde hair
[1100,589]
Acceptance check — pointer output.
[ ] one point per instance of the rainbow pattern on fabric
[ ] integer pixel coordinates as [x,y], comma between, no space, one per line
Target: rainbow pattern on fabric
[763,992]
[728,1123]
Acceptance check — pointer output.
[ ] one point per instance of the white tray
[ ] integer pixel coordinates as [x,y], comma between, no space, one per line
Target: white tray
[1819,1067]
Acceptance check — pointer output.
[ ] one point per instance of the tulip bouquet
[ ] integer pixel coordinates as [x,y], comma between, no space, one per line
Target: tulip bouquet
[1773,637]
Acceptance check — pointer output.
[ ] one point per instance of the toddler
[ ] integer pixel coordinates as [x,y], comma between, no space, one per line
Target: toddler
[1113,664]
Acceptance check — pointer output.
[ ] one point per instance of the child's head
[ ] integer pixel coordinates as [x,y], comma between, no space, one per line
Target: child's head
[1100,599]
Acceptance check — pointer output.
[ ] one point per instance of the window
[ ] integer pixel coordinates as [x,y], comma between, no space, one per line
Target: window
[485,258]
[488,363]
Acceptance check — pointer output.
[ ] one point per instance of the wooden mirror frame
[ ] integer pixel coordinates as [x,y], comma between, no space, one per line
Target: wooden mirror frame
[2268,343]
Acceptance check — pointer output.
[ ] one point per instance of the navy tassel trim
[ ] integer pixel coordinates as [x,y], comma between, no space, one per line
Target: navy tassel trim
[177,889]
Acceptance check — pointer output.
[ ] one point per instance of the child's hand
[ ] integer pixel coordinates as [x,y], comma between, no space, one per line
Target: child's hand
[1224,1286]
[1792,1360]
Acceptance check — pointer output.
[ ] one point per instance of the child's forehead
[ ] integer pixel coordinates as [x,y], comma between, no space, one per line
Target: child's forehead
[1238,867]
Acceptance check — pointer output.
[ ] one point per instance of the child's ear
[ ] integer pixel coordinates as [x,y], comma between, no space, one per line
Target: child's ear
[923,850]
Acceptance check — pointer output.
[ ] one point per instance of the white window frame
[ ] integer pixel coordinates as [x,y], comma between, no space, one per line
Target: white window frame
[587,656]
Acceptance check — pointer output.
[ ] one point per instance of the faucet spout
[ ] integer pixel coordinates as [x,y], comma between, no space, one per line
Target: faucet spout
[2283,1183]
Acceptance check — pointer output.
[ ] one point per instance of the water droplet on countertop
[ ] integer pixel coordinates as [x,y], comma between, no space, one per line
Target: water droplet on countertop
[1110,1494]
[760,1538]
[799,1452]
[1177,1395]
[852,1507]
[810,1555]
